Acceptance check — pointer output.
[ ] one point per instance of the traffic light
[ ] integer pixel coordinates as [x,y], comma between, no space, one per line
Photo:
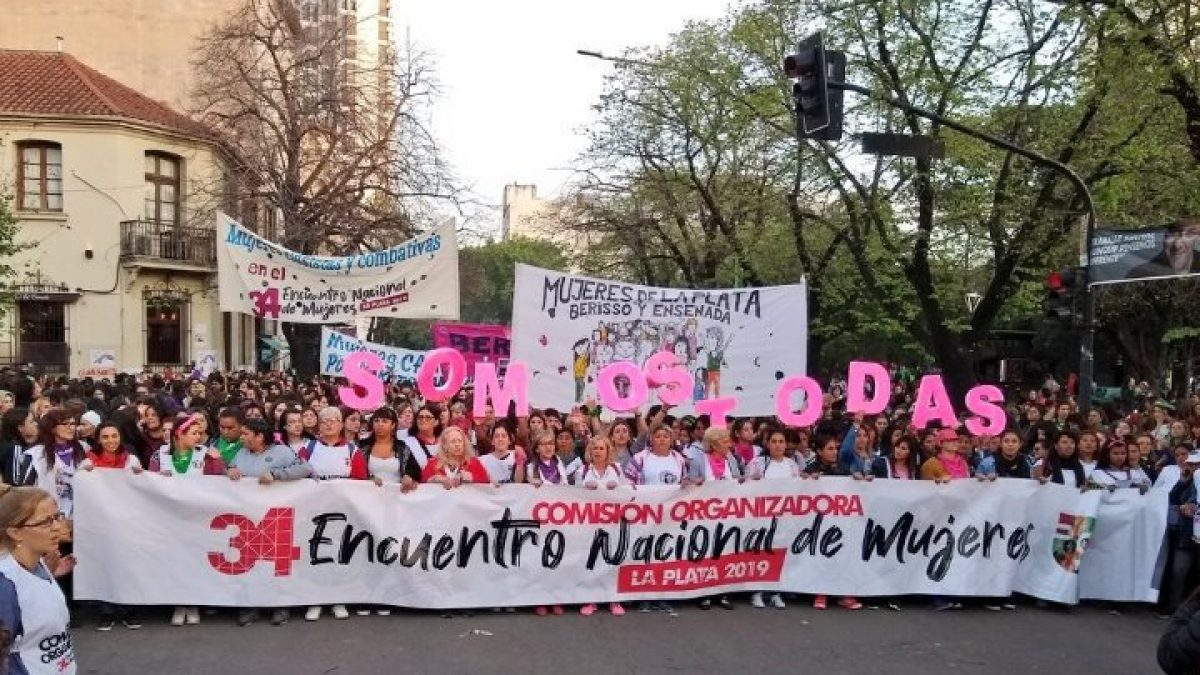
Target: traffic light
[1062,294]
[818,112]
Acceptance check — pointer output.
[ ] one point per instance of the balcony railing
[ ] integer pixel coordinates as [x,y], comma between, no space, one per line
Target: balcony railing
[153,241]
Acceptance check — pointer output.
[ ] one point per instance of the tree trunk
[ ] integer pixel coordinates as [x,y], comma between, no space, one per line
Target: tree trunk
[304,341]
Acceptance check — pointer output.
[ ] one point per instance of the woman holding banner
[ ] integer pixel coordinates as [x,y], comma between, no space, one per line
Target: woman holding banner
[423,436]
[600,472]
[658,464]
[186,457]
[827,464]
[505,463]
[1062,464]
[455,463]
[331,457]
[383,458]
[717,463]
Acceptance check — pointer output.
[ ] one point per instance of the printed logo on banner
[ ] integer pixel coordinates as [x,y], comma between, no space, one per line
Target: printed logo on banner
[1071,539]
[270,540]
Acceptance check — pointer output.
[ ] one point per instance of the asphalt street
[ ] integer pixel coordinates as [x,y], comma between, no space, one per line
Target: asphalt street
[799,639]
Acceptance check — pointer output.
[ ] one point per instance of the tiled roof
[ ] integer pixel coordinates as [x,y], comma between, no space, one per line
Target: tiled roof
[53,83]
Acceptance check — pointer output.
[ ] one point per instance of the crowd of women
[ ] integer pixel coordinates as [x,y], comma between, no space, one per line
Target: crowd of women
[271,427]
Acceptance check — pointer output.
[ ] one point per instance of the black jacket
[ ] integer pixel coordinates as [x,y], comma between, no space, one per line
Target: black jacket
[16,468]
[1179,647]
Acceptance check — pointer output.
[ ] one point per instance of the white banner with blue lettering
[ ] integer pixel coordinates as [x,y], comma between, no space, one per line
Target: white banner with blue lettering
[208,540]
[398,363]
[417,279]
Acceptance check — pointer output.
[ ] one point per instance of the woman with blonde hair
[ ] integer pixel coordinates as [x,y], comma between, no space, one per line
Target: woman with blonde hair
[455,462]
[32,606]
[715,462]
[600,470]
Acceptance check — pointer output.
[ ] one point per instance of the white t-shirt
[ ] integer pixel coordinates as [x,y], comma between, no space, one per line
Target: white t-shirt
[587,474]
[1088,468]
[45,644]
[386,469]
[661,470]
[500,470]
[330,461]
[782,469]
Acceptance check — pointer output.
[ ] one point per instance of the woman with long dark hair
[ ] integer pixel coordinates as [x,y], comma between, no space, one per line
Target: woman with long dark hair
[1062,464]
[18,433]
[291,429]
[425,433]
[112,453]
[57,456]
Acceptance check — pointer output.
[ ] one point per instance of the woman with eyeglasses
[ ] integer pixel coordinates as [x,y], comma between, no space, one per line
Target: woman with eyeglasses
[32,605]
[331,457]
[57,455]
[423,437]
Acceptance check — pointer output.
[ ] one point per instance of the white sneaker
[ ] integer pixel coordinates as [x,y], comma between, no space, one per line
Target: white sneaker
[178,617]
[313,613]
[756,601]
[777,602]
[193,616]
[339,612]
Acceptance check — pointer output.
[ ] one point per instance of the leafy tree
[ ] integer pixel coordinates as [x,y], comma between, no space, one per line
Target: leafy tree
[8,250]
[694,167]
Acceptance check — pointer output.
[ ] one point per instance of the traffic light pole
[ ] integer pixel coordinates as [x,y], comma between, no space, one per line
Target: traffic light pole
[1086,354]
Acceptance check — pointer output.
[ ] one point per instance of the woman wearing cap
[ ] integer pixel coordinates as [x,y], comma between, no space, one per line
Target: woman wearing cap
[331,457]
[948,464]
[33,608]
[86,431]
[944,467]
[186,457]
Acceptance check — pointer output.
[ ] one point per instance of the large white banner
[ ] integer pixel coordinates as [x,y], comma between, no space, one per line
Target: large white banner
[735,342]
[211,541]
[1121,559]
[414,280]
[398,363]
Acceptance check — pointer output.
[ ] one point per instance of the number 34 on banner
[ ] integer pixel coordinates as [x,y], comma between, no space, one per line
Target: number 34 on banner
[266,303]
[269,540]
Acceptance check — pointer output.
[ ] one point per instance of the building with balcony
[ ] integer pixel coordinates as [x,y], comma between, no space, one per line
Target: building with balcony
[115,196]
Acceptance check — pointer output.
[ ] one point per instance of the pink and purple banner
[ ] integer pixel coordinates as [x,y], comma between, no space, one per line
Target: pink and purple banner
[477,342]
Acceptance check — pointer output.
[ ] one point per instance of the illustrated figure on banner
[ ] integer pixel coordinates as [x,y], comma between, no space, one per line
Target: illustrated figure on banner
[702,354]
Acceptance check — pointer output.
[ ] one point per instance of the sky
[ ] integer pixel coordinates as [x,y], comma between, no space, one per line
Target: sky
[513,93]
